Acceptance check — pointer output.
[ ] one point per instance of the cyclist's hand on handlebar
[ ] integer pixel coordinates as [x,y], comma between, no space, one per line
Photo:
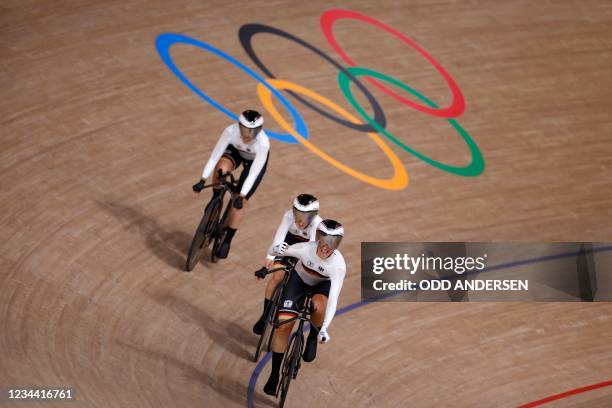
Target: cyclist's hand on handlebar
[323,336]
[269,262]
[261,273]
[197,187]
[280,248]
[237,203]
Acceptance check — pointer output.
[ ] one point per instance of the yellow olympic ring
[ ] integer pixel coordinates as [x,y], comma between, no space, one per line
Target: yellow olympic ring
[399,179]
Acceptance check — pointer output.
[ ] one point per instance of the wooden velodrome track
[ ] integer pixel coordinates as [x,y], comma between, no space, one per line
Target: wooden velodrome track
[100,144]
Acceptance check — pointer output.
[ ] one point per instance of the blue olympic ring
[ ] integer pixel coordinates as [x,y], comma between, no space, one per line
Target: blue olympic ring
[165,41]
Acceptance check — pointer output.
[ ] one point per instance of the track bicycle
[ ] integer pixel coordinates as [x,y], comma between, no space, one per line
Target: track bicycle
[293,356]
[213,227]
[265,339]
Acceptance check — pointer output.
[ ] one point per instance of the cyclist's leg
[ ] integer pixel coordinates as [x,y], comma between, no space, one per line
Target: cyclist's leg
[226,164]
[232,155]
[288,309]
[318,305]
[277,278]
[235,215]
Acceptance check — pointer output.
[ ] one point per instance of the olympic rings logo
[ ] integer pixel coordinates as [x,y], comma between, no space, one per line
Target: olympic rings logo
[373,125]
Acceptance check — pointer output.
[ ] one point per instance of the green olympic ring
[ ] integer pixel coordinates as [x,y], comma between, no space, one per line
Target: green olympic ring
[475,168]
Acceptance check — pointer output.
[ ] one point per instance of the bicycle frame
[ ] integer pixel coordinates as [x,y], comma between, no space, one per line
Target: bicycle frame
[226,185]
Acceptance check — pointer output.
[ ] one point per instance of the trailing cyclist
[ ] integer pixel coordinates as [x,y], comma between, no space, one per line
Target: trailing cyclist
[299,224]
[243,143]
[320,272]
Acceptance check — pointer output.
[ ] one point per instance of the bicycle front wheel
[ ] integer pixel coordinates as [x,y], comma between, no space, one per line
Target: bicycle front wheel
[265,340]
[219,231]
[290,364]
[201,238]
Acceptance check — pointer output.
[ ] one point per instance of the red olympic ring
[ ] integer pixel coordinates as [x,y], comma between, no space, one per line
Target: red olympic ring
[453,110]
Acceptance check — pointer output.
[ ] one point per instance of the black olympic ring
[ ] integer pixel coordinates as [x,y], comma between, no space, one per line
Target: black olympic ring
[248,31]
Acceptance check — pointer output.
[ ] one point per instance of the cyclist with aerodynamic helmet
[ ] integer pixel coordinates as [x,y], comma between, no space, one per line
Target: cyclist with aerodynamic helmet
[244,143]
[319,271]
[299,224]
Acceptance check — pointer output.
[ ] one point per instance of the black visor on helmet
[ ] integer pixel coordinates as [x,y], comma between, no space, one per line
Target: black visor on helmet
[246,132]
[304,217]
[329,232]
[332,241]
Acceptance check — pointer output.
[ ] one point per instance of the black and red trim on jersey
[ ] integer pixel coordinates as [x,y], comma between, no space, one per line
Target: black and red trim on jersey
[294,239]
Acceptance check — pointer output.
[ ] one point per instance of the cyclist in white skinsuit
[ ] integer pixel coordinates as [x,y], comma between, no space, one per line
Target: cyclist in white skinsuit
[299,224]
[320,271]
[243,143]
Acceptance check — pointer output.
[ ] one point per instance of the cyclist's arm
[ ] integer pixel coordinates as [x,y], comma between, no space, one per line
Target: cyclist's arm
[222,143]
[334,291]
[260,160]
[281,233]
[297,250]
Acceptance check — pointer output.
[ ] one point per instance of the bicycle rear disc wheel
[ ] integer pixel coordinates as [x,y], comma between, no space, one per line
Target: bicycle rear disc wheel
[201,238]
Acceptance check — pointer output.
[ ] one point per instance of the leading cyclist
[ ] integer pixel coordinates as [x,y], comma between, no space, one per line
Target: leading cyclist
[243,143]
[320,271]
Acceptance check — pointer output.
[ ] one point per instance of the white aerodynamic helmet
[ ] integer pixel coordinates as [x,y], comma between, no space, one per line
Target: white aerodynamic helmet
[251,123]
[305,208]
[330,232]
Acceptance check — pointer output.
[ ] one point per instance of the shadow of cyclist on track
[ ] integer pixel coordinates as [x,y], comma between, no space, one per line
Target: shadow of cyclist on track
[169,246]
[227,388]
[224,333]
